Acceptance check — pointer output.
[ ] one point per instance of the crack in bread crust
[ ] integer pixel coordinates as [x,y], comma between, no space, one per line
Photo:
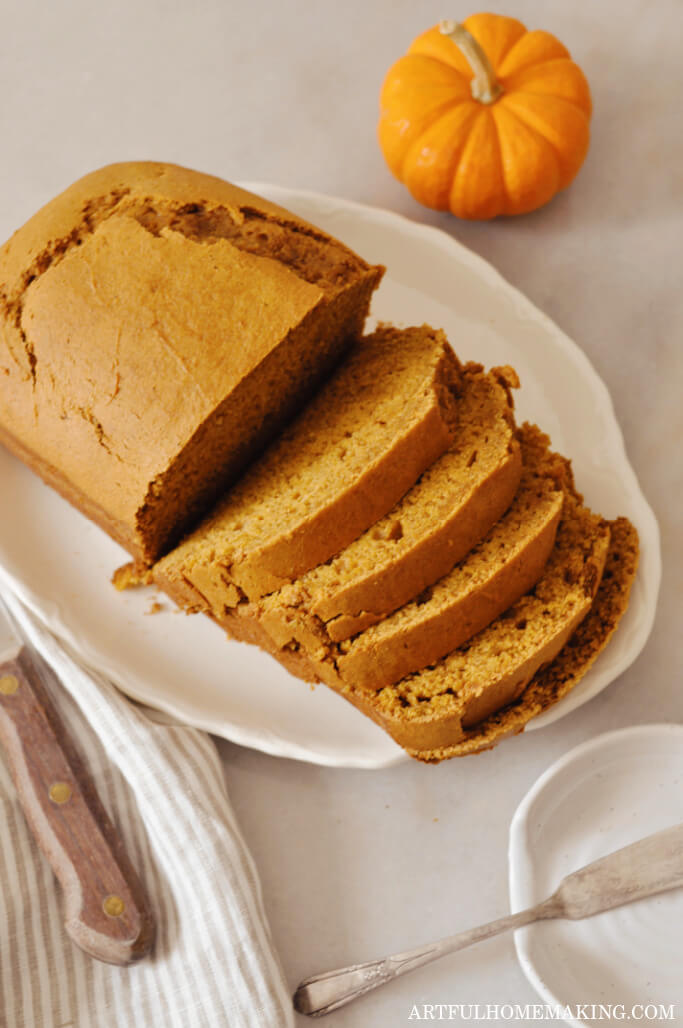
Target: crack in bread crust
[121,430]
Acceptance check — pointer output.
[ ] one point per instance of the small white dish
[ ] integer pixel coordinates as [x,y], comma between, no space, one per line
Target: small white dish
[603,795]
[61,565]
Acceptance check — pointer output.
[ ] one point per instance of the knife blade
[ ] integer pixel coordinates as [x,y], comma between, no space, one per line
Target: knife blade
[106,912]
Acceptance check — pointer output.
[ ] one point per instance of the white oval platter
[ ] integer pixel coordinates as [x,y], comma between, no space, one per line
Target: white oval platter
[61,565]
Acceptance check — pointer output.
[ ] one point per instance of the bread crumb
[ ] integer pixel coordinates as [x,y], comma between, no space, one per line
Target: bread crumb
[130,576]
[154,608]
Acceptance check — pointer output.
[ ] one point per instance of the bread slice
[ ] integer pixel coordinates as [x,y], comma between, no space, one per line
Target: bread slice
[500,569]
[432,710]
[558,678]
[388,412]
[448,511]
[157,327]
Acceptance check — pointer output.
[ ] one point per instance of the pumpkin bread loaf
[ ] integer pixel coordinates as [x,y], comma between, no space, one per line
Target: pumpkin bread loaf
[385,415]
[496,573]
[157,327]
[448,511]
[399,540]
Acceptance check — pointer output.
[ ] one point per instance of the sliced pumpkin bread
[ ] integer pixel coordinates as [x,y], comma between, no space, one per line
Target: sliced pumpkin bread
[433,709]
[385,415]
[526,660]
[496,572]
[555,680]
[449,510]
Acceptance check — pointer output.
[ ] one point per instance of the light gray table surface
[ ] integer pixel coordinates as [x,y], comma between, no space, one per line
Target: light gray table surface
[357,863]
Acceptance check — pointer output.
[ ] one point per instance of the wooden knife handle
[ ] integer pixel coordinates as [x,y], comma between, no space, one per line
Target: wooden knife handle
[106,912]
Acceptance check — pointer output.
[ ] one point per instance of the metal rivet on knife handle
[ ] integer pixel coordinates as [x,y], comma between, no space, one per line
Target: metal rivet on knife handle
[113,906]
[9,684]
[60,792]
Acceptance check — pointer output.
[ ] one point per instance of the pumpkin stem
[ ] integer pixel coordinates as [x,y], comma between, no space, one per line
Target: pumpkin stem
[485,87]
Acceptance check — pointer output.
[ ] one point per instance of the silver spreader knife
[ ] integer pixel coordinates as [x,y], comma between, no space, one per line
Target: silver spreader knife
[645,868]
[105,909]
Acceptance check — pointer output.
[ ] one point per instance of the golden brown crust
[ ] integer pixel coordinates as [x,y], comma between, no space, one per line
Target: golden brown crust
[96,194]
[105,292]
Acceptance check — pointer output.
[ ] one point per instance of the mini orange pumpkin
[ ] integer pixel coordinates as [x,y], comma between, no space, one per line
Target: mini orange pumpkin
[485,118]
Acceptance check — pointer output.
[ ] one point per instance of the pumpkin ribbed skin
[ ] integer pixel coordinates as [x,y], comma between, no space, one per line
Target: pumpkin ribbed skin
[479,159]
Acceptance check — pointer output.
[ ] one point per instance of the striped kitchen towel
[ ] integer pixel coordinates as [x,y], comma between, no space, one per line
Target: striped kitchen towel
[213,962]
